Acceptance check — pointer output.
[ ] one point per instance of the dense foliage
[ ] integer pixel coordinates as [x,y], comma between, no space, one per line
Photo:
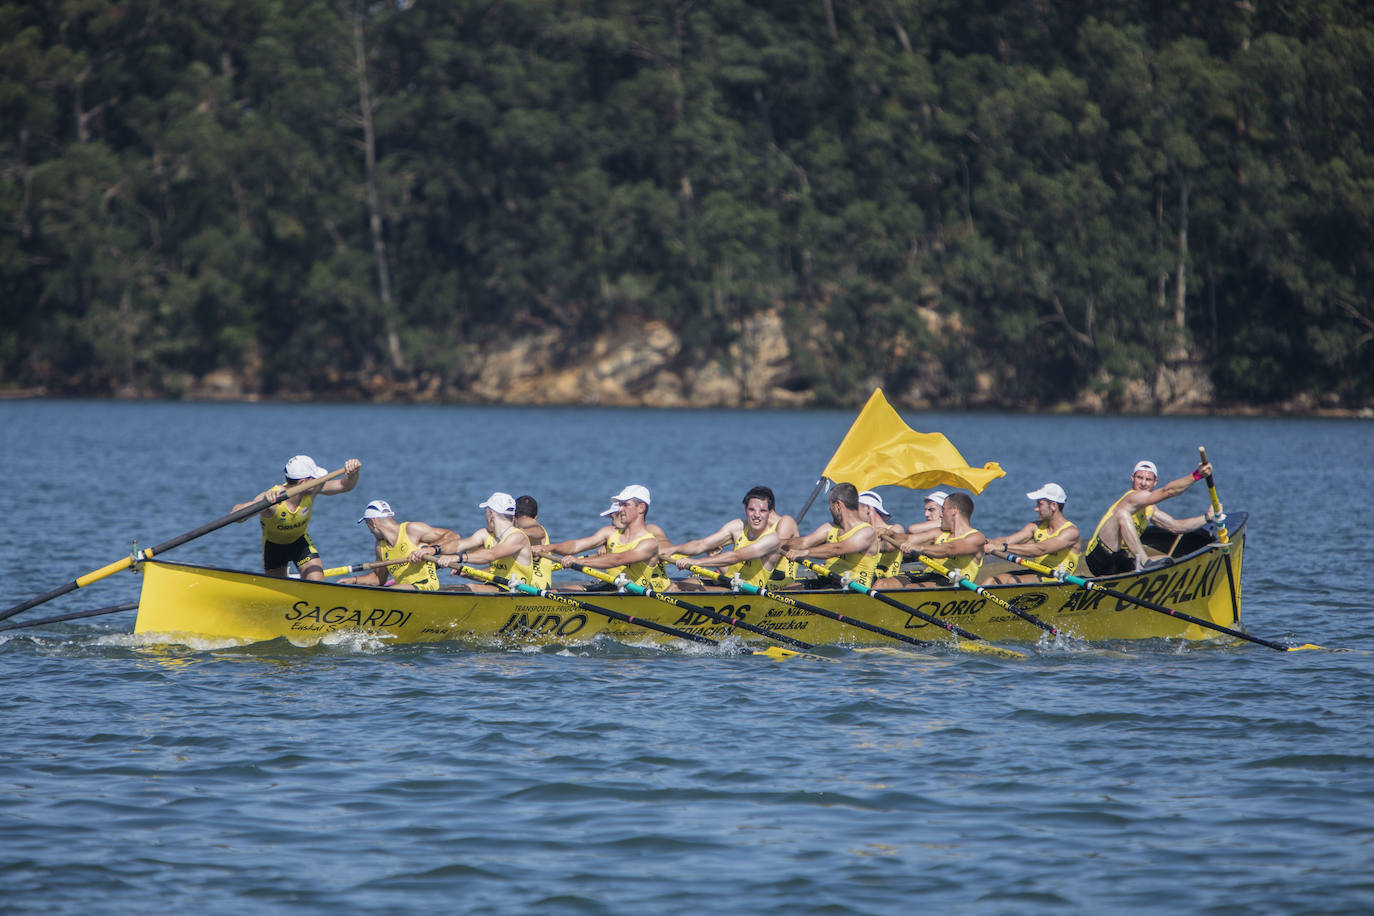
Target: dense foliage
[1059,196]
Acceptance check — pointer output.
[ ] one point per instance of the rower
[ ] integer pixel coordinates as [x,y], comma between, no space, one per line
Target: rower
[628,545]
[1052,540]
[285,539]
[958,543]
[889,561]
[1115,546]
[756,540]
[849,545]
[500,544]
[527,520]
[399,541]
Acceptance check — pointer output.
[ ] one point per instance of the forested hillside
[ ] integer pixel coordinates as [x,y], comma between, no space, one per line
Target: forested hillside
[1023,203]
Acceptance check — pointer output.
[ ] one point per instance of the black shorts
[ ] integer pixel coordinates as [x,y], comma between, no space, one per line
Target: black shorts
[300,551]
[1103,562]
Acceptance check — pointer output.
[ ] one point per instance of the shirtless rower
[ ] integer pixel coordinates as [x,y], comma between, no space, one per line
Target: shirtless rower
[848,544]
[399,541]
[285,539]
[628,545]
[1051,540]
[755,555]
[1115,546]
[499,544]
[958,543]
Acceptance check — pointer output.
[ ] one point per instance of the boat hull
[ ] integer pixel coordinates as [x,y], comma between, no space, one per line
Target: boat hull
[186,603]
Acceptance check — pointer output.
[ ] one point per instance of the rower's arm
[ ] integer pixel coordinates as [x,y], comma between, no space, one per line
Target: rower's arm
[962,547]
[1167,522]
[1068,538]
[761,547]
[485,556]
[345,483]
[724,536]
[567,548]
[858,542]
[1020,538]
[643,552]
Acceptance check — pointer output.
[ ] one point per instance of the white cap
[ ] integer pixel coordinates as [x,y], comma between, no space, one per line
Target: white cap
[303,467]
[615,507]
[1051,491]
[378,508]
[500,503]
[633,491]
[869,498]
[938,497]
[1145,466]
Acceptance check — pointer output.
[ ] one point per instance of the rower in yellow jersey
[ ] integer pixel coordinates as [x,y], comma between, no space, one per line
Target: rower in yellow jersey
[500,544]
[284,536]
[959,544]
[1115,546]
[397,541]
[849,544]
[889,562]
[1052,540]
[627,544]
[755,553]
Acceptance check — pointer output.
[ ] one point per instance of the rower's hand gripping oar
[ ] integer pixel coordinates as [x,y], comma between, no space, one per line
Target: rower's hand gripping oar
[963,582]
[1150,605]
[970,642]
[635,588]
[148,553]
[1222,536]
[739,584]
[515,585]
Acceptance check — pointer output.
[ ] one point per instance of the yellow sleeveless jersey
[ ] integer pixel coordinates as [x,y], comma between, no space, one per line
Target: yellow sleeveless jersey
[1140,518]
[755,571]
[1067,559]
[889,563]
[423,576]
[645,574]
[969,565]
[286,524]
[510,567]
[540,576]
[859,565]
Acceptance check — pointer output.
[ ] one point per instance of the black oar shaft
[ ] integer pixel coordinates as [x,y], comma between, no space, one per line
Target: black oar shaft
[736,622]
[892,602]
[995,599]
[819,611]
[76,615]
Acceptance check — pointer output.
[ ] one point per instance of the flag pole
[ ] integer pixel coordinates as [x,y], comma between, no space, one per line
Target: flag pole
[823,483]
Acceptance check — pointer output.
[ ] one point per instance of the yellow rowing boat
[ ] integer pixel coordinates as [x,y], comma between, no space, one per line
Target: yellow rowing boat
[185,603]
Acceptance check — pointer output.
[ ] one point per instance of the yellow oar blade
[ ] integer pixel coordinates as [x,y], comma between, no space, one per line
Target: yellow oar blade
[968,645]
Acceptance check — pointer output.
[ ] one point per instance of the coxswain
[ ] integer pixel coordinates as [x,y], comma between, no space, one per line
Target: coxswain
[285,539]
[399,542]
[1051,540]
[1115,546]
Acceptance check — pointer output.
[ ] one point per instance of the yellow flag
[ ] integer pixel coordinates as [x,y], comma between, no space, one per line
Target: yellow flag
[880,449]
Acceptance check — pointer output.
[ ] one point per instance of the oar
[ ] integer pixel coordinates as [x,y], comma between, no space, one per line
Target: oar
[1150,605]
[148,553]
[789,601]
[942,569]
[1222,536]
[483,575]
[971,642]
[73,616]
[361,567]
[688,606]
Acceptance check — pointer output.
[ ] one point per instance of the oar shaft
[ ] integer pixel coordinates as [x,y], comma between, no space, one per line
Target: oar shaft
[737,622]
[76,615]
[995,599]
[126,562]
[482,575]
[789,601]
[892,602]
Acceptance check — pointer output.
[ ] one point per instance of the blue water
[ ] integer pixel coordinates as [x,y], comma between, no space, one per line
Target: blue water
[364,778]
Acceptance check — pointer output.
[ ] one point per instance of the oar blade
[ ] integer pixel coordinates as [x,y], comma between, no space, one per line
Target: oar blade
[985,648]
